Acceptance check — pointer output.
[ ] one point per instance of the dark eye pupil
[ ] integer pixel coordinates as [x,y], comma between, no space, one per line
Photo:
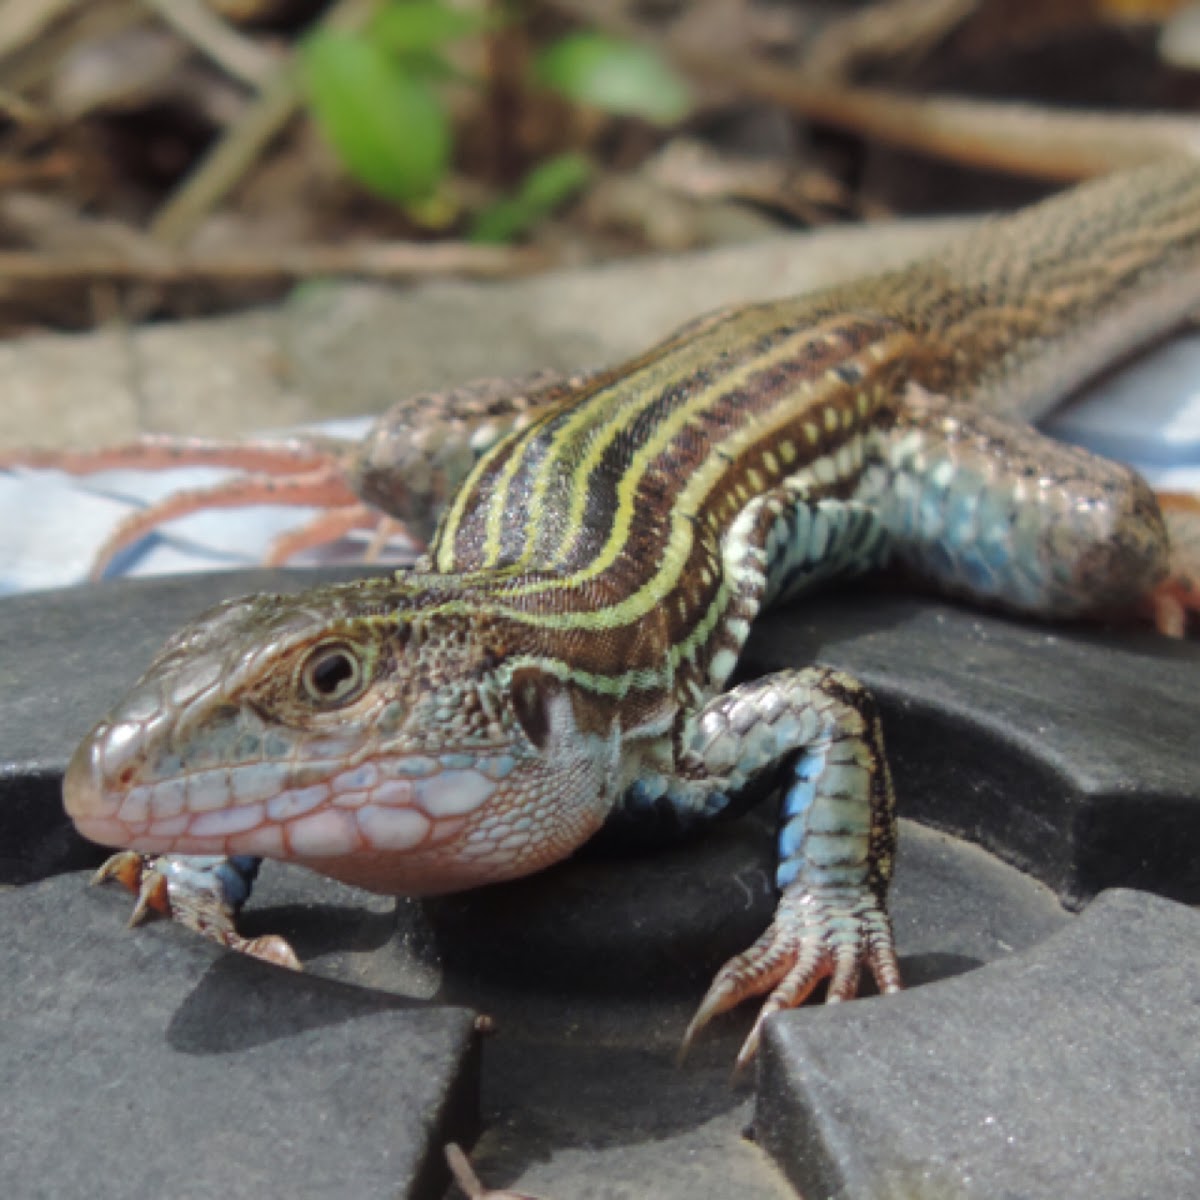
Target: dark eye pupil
[331,672]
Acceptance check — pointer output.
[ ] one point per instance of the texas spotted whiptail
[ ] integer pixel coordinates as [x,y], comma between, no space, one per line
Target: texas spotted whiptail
[562,653]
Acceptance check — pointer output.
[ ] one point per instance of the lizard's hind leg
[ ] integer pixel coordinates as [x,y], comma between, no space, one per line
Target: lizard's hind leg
[302,470]
[324,487]
[980,507]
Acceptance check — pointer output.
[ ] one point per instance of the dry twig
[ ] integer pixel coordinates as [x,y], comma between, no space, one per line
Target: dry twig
[224,166]
[1026,139]
[889,29]
[377,260]
[239,57]
[21,21]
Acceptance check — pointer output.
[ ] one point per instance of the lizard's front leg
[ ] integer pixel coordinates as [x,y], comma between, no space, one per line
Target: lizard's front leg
[201,892]
[816,735]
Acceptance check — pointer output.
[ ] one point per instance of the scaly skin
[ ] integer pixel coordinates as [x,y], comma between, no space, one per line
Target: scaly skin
[564,650]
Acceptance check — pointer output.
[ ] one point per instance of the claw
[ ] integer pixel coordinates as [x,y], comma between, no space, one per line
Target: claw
[153,895]
[137,874]
[468,1181]
[750,973]
[749,1051]
[270,948]
[126,867]
[195,893]
[816,934]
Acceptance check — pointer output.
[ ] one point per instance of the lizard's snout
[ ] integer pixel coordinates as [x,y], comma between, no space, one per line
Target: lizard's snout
[87,800]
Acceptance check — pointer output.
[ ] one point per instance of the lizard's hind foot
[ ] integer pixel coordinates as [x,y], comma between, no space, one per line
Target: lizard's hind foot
[1175,603]
[297,471]
[322,488]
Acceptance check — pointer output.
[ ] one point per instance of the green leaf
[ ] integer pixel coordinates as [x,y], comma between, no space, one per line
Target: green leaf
[422,25]
[386,126]
[541,191]
[618,77]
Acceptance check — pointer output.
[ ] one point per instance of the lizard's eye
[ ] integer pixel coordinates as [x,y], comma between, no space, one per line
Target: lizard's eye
[332,675]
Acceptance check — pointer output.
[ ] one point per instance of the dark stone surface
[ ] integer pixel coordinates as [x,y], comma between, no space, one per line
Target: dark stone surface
[580,1081]
[1068,1072]
[1065,752]
[153,1065]
[662,925]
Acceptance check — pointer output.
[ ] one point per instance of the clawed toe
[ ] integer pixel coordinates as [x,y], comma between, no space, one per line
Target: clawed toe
[814,936]
[138,874]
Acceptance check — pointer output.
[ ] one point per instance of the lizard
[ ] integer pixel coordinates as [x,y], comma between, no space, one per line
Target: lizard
[561,655]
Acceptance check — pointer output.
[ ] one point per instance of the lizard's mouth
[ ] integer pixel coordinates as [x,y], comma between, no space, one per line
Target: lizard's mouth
[313,811]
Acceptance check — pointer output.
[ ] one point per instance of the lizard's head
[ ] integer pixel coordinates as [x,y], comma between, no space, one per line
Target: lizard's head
[365,730]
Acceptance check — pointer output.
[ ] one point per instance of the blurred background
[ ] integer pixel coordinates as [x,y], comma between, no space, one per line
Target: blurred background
[225,216]
[163,158]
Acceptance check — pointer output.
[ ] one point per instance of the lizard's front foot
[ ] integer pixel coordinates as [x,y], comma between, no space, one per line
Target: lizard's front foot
[817,933]
[204,894]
